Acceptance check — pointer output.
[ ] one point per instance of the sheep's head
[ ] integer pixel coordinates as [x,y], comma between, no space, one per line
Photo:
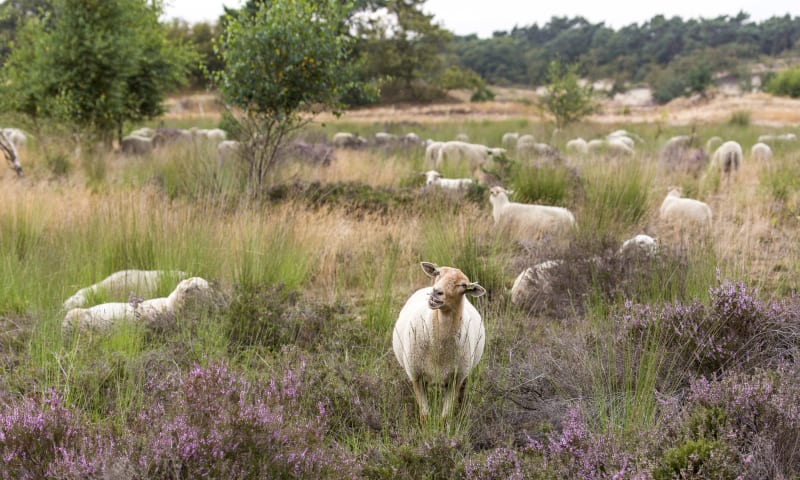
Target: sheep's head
[431,176]
[498,192]
[674,192]
[194,287]
[449,286]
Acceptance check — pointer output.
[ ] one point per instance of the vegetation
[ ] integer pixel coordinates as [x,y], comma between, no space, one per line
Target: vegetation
[566,99]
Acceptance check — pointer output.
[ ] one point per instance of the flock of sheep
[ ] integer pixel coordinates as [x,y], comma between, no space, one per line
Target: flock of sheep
[439,336]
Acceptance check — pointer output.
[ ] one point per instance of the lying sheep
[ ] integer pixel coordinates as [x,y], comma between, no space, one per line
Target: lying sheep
[760,152]
[432,177]
[782,137]
[644,244]
[102,317]
[10,152]
[577,146]
[143,132]
[685,212]
[227,151]
[141,282]
[528,221]
[439,336]
[533,281]
[728,157]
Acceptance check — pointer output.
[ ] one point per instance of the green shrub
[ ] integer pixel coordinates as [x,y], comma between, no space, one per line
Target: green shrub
[740,118]
[696,459]
[785,83]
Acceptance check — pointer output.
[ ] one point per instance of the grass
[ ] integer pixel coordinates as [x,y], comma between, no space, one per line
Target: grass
[319,274]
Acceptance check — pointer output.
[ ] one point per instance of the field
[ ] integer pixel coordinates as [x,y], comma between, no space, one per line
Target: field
[679,366]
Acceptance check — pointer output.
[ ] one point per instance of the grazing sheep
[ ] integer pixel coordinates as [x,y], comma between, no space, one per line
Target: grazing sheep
[728,157]
[476,155]
[141,282]
[410,138]
[143,132]
[439,336]
[783,137]
[166,136]
[625,134]
[432,177]
[509,140]
[614,146]
[105,315]
[712,143]
[384,138]
[227,150]
[533,281]
[683,212]
[136,145]
[528,221]
[348,140]
[212,135]
[432,152]
[760,152]
[577,146]
[10,152]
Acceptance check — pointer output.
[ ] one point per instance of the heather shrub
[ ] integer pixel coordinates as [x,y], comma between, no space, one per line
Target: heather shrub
[436,458]
[218,424]
[695,459]
[40,437]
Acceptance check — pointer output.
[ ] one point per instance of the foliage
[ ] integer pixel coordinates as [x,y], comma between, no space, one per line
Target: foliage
[785,83]
[283,61]
[95,64]
[566,99]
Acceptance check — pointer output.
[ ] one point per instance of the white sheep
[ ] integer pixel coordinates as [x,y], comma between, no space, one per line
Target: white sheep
[10,152]
[728,157]
[530,221]
[577,146]
[211,134]
[410,138]
[625,134]
[105,315]
[123,282]
[136,145]
[782,137]
[640,243]
[462,137]
[475,154]
[685,211]
[227,151]
[348,140]
[144,132]
[533,281]
[439,336]
[432,177]
[432,152]
[509,140]
[760,152]
[712,143]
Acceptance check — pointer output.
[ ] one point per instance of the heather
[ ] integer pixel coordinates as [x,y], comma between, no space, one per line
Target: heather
[677,365]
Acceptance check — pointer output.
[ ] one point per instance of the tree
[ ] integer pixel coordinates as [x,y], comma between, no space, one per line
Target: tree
[566,99]
[94,64]
[282,64]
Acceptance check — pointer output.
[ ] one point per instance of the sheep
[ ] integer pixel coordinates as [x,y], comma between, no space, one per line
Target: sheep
[136,145]
[462,137]
[760,152]
[102,317]
[527,220]
[677,154]
[783,137]
[10,152]
[615,146]
[17,137]
[165,136]
[384,138]
[577,146]
[533,281]
[685,211]
[432,152]
[439,336]
[525,142]
[142,282]
[712,143]
[477,155]
[410,138]
[143,132]
[625,134]
[509,140]
[728,157]
[227,150]
[348,140]
[432,177]
[639,244]
[211,134]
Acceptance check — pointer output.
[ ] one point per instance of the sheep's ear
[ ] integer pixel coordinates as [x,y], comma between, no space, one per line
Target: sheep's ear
[430,269]
[475,290]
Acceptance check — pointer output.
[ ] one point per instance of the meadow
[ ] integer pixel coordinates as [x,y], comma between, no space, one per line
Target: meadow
[681,366]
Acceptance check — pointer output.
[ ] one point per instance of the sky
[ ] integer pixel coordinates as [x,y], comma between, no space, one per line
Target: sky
[483,17]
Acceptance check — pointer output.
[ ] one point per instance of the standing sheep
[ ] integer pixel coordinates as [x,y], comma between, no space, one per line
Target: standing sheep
[439,336]
[528,221]
[728,157]
[683,212]
[760,152]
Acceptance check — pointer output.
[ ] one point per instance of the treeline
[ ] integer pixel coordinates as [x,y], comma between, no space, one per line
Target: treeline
[635,53]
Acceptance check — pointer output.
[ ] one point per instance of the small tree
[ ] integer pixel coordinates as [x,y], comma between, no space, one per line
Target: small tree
[566,99]
[282,64]
[94,64]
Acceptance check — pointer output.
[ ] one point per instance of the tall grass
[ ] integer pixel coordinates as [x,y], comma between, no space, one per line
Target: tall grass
[617,197]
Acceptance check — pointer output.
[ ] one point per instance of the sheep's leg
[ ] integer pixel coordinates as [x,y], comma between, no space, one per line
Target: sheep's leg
[422,400]
[453,392]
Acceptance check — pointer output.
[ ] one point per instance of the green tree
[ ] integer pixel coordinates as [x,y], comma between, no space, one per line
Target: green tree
[95,65]
[566,99]
[282,64]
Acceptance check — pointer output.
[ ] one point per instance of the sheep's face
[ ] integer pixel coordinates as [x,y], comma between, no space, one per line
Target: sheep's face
[193,285]
[449,286]
[431,176]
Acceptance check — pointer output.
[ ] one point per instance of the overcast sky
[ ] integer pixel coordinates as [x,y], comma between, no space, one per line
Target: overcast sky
[483,17]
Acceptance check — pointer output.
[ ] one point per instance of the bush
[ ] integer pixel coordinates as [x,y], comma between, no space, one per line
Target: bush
[785,83]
